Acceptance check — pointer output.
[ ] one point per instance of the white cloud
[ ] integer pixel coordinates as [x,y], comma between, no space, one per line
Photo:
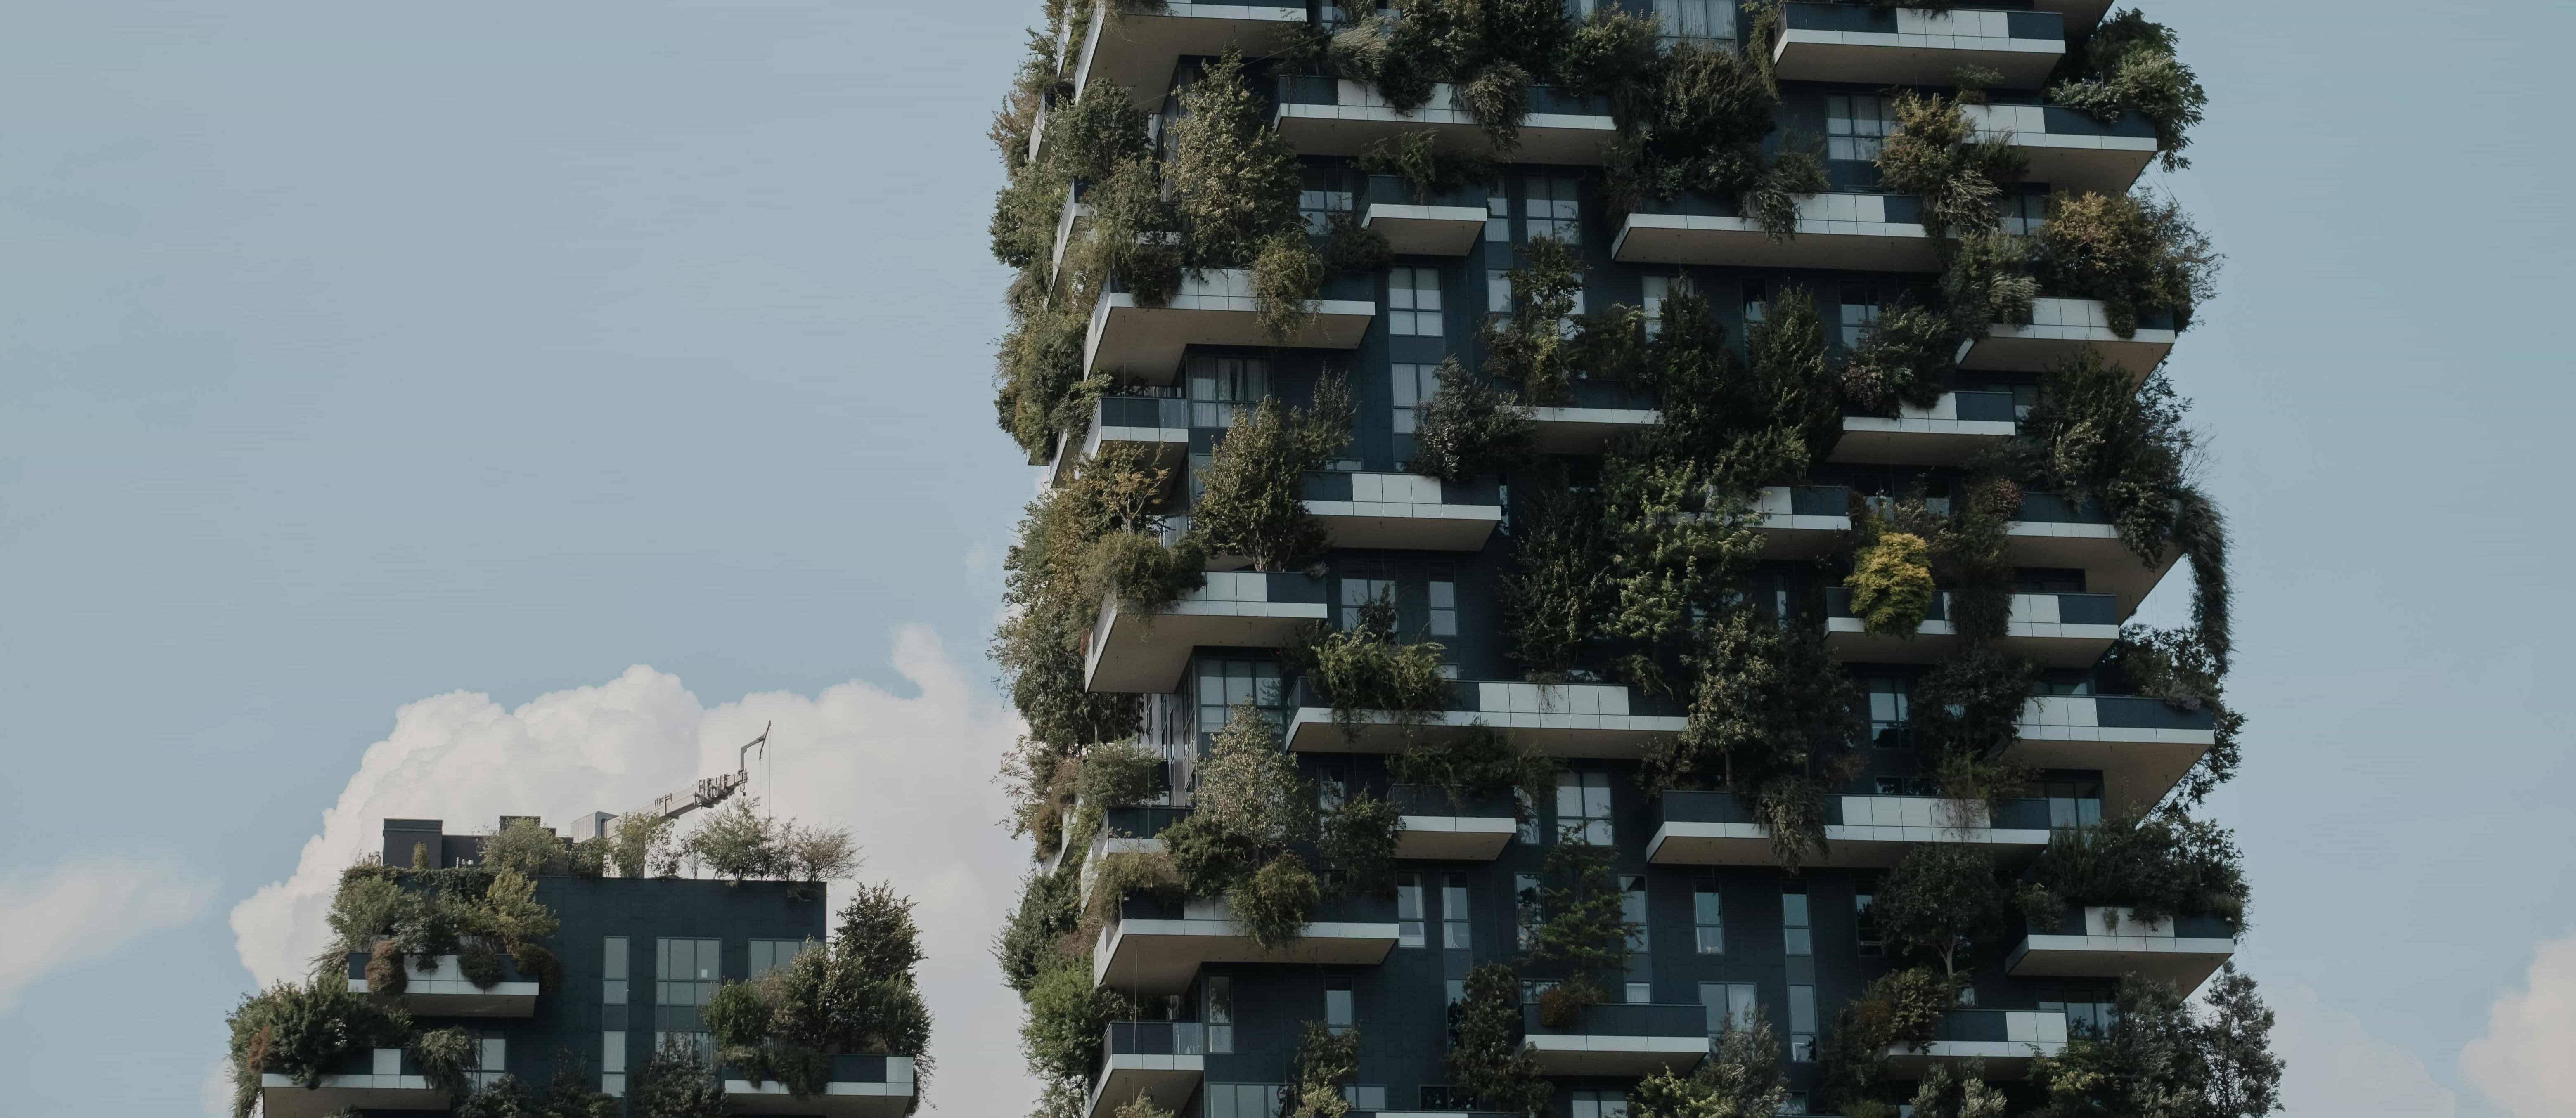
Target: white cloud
[2522,1062]
[85,910]
[2337,1067]
[911,777]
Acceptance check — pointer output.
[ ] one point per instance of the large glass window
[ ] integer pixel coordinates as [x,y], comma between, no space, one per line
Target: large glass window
[1365,583]
[1802,1023]
[1730,1005]
[2089,1013]
[1656,289]
[612,1011]
[1797,938]
[1444,599]
[1757,301]
[1632,911]
[2072,803]
[1498,215]
[1413,302]
[1600,1104]
[1526,909]
[1859,312]
[1708,24]
[1225,682]
[1455,917]
[1413,385]
[1219,386]
[1340,1003]
[1583,807]
[1364,1096]
[1408,910]
[686,973]
[1243,1100]
[1889,712]
[1321,193]
[2023,214]
[770,954]
[1219,1013]
[1553,208]
[1856,124]
[1708,912]
[1873,945]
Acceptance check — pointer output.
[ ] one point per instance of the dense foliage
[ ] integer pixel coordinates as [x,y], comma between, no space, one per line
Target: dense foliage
[1251,503]
[1741,1078]
[2161,1057]
[2128,64]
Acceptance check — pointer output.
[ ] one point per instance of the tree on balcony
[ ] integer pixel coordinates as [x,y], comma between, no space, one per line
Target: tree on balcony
[1943,901]
[1741,1078]
[1469,427]
[1489,1066]
[856,994]
[676,1082]
[2128,64]
[1251,503]
[2161,1057]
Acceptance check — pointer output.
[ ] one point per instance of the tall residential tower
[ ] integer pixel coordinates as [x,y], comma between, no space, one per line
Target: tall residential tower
[1586,558]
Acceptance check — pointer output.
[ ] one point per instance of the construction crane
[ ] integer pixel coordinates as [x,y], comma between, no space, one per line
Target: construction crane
[708,792]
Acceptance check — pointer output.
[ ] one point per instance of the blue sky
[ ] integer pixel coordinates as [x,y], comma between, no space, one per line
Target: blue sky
[352,355]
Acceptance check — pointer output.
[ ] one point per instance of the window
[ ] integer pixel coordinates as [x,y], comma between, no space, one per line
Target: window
[1526,909]
[770,954]
[1889,712]
[1600,1104]
[1632,911]
[1802,1024]
[1364,1096]
[1455,916]
[1498,215]
[1219,1013]
[1708,911]
[1640,993]
[1583,807]
[1855,125]
[1757,300]
[2089,1013]
[1655,290]
[1365,583]
[1408,910]
[612,990]
[1332,789]
[1865,922]
[1321,193]
[1413,385]
[1708,24]
[1730,1005]
[612,1013]
[1339,1008]
[1444,599]
[1526,801]
[1224,683]
[1860,312]
[1793,925]
[686,973]
[1437,1096]
[2072,803]
[612,1062]
[491,1059]
[1219,386]
[1498,291]
[1413,302]
[2023,214]
[1553,210]
[1242,1100]
[1456,988]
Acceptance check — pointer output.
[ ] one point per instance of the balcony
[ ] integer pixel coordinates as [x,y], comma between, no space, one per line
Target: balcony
[2069,150]
[1161,1061]
[2060,327]
[861,1086]
[1136,652]
[1440,827]
[446,992]
[2142,747]
[1911,46]
[1127,830]
[1802,521]
[1861,832]
[1860,232]
[2007,1040]
[1405,512]
[1155,946]
[1949,433]
[2109,942]
[1211,308]
[1422,224]
[1559,720]
[381,1079]
[1600,413]
[2051,531]
[1330,116]
[2055,630]
[1156,427]
[1624,1039]
[1142,50]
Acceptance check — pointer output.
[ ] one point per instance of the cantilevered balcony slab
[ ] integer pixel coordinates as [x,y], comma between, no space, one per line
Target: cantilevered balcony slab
[444,991]
[2071,151]
[2007,1040]
[384,1079]
[1422,223]
[1802,521]
[1158,428]
[1861,832]
[1402,511]
[1621,1039]
[1950,432]
[1211,308]
[1149,955]
[2080,15]
[2054,630]
[2110,942]
[1588,430]
[2058,329]
[1559,720]
[1332,116]
[1441,827]
[1912,46]
[1142,50]
[1137,652]
[1159,1061]
[2142,747]
[861,1086]
[1861,232]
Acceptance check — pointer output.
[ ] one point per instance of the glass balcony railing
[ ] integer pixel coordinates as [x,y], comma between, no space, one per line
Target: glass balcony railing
[1141,822]
[1155,1038]
[1424,799]
[1724,807]
[1875,19]
[1628,1019]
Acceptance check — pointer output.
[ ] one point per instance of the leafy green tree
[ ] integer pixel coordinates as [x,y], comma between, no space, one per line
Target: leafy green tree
[676,1082]
[2161,1059]
[1945,901]
[1469,427]
[1489,1067]
[1251,503]
[1741,1078]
